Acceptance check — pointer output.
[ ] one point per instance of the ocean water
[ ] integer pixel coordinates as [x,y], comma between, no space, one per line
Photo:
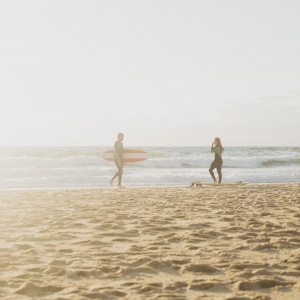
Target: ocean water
[67,167]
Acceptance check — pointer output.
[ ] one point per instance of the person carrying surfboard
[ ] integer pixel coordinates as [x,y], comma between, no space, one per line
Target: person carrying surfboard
[217,149]
[118,159]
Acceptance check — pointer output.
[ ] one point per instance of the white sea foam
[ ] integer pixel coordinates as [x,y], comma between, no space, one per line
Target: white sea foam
[136,178]
[40,162]
[231,162]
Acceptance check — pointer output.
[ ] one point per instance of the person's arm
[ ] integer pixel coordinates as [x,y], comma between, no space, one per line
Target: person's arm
[212,148]
[118,158]
[117,153]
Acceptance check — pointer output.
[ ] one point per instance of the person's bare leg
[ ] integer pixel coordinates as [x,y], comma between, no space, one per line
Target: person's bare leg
[112,180]
[219,169]
[211,171]
[120,168]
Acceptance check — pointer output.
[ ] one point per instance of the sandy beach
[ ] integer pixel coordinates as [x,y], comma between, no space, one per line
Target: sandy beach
[234,243]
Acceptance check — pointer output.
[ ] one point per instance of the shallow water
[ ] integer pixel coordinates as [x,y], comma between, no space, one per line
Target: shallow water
[39,167]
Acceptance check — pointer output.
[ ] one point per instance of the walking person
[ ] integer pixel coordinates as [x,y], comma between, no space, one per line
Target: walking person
[118,159]
[217,149]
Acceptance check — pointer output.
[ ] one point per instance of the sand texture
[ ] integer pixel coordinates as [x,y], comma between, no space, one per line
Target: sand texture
[235,243]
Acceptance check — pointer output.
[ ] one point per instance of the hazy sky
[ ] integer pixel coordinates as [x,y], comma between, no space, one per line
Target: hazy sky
[163,72]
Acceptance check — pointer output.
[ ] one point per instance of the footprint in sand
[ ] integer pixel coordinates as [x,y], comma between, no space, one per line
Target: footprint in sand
[201,268]
[261,284]
[32,290]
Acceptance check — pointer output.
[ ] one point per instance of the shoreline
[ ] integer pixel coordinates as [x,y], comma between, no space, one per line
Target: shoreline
[140,187]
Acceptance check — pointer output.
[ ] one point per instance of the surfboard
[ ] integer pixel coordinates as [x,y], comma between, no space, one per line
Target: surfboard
[129,155]
[198,183]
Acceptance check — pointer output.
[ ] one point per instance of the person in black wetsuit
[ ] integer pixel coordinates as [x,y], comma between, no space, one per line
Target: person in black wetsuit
[118,159]
[216,148]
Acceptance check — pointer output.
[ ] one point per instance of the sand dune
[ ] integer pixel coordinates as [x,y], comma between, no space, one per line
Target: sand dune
[233,243]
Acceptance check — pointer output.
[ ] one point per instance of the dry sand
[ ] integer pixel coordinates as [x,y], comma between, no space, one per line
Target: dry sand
[151,243]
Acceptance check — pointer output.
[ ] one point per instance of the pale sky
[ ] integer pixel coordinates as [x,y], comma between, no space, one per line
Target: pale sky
[165,73]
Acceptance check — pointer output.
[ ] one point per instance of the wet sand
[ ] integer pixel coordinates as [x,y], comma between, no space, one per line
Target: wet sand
[235,243]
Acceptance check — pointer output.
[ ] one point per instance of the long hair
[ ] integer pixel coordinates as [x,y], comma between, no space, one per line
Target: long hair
[219,144]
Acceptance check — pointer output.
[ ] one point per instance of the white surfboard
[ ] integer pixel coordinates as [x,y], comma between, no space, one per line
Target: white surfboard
[129,155]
